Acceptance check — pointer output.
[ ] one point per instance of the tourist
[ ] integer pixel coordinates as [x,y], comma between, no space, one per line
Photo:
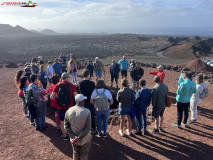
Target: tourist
[131,68]
[77,124]
[137,74]
[73,70]
[57,67]
[27,72]
[40,62]
[90,67]
[65,93]
[142,101]
[124,64]
[43,76]
[195,99]
[159,99]
[184,94]
[40,102]
[23,84]
[99,68]
[72,57]
[125,97]
[53,102]
[159,73]
[63,63]
[34,65]
[86,88]
[101,98]
[49,71]
[114,72]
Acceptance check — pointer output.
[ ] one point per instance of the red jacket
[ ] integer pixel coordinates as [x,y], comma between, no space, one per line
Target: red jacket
[160,74]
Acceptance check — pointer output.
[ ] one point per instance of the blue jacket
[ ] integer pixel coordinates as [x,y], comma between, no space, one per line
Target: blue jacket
[90,68]
[124,64]
[43,77]
[114,69]
[185,91]
[143,98]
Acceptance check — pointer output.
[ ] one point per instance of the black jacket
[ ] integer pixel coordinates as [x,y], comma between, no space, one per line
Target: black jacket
[137,74]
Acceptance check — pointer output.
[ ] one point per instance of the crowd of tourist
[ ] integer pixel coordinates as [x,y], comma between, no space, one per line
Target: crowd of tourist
[83,107]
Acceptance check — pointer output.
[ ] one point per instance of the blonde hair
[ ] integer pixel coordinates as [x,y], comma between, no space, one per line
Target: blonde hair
[199,79]
[124,82]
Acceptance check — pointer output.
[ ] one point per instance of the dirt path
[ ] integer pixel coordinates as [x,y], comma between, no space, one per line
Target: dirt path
[19,140]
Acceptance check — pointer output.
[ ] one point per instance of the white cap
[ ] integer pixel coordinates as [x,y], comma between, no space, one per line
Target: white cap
[80,97]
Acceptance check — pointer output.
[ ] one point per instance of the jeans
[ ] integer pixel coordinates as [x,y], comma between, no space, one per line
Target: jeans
[24,105]
[81,152]
[41,112]
[74,77]
[193,109]
[89,106]
[141,114]
[98,73]
[182,107]
[102,116]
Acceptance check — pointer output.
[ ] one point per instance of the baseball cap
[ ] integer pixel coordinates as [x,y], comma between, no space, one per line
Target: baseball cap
[80,97]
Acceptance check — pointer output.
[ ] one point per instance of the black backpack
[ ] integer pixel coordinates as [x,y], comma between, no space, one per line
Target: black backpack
[31,100]
[64,96]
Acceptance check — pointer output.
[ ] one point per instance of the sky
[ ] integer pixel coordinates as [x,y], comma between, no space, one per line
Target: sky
[111,16]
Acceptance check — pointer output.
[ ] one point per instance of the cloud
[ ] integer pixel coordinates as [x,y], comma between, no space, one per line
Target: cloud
[110,15]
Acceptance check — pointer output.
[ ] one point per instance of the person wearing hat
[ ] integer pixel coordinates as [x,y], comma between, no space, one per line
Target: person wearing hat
[77,124]
[159,73]
[28,72]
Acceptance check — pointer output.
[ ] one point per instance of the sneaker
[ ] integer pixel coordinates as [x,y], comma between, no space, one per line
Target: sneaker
[160,129]
[175,125]
[154,130]
[192,121]
[128,133]
[99,135]
[94,131]
[37,128]
[65,138]
[144,132]
[42,129]
[137,132]
[105,135]
[121,133]
[32,123]
[184,125]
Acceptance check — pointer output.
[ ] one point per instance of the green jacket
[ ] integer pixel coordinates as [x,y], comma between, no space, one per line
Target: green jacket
[185,91]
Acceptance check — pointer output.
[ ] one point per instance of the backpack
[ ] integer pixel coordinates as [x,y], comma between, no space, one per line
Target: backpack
[204,93]
[30,98]
[64,96]
[101,101]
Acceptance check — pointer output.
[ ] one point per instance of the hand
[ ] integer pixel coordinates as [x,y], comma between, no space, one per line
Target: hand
[74,140]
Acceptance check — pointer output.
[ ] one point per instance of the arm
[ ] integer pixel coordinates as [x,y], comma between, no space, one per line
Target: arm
[154,95]
[110,102]
[92,101]
[74,94]
[118,96]
[52,96]
[67,128]
[180,90]
[154,73]
[86,129]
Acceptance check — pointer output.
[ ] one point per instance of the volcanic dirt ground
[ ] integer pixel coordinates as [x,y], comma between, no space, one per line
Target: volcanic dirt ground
[19,140]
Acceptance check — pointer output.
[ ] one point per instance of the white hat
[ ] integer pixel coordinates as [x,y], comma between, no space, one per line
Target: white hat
[80,97]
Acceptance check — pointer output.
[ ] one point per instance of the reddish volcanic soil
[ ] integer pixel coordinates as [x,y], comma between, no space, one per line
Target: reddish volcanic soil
[19,140]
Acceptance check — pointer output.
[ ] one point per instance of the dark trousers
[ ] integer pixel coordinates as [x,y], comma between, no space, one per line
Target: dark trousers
[44,84]
[32,112]
[182,107]
[89,106]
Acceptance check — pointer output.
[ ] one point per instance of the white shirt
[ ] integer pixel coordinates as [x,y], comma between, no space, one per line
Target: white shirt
[50,71]
[107,93]
[200,88]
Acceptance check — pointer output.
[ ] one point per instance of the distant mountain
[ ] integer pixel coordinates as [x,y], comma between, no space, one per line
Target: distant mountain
[7,30]
[48,32]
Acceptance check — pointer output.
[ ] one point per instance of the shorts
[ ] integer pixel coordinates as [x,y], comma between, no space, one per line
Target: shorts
[124,111]
[156,112]
[124,73]
[61,113]
[114,77]
[98,73]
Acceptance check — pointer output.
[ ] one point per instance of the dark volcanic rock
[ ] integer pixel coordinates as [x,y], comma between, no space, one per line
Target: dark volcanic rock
[11,65]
